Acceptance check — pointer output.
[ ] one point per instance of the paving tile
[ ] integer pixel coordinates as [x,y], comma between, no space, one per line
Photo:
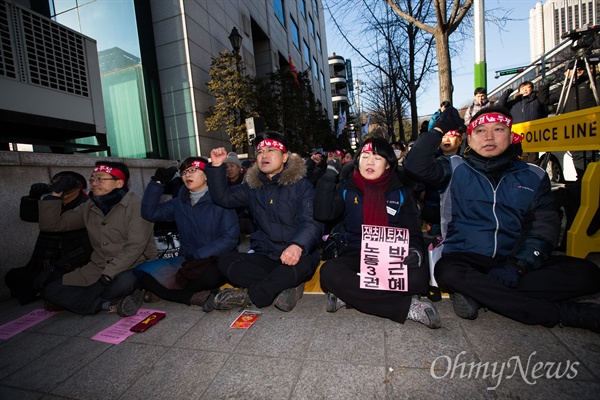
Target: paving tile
[278,334]
[419,383]
[8,393]
[24,349]
[171,328]
[212,332]
[112,373]
[178,374]
[585,345]
[356,338]
[518,342]
[545,388]
[414,345]
[70,324]
[57,365]
[327,380]
[252,377]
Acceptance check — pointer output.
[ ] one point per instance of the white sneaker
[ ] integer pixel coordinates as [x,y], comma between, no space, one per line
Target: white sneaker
[424,312]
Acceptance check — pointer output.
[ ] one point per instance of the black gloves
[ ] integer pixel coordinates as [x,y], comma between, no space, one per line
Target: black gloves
[38,190]
[335,165]
[164,175]
[414,258]
[508,273]
[449,120]
[65,184]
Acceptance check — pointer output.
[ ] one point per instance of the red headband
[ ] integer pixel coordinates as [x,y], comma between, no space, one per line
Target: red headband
[367,147]
[489,118]
[271,143]
[198,164]
[117,173]
[454,133]
[338,152]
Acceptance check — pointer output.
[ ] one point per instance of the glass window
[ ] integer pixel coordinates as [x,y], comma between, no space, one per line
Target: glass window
[295,34]
[130,127]
[315,68]
[306,53]
[311,25]
[319,43]
[316,8]
[278,6]
[302,6]
[322,81]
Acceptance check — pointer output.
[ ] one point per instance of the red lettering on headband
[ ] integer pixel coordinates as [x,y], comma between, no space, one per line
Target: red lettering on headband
[454,133]
[488,119]
[271,143]
[367,147]
[338,152]
[198,164]
[117,173]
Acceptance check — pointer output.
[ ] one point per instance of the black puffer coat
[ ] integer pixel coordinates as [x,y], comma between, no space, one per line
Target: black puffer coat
[281,207]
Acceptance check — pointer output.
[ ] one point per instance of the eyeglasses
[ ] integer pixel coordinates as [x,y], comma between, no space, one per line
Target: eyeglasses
[267,150]
[99,180]
[189,171]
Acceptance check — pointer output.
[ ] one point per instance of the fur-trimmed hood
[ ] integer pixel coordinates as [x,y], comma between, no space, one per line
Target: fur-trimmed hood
[293,171]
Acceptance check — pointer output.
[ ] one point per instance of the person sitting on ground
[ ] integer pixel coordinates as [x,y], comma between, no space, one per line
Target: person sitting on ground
[500,225]
[206,231]
[235,176]
[430,210]
[121,239]
[374,196]
[68,250]
[348,157]
[443,105]
[315,166]
[480,101]
[283,249]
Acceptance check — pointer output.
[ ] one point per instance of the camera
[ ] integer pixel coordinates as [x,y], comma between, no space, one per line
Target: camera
[583,37]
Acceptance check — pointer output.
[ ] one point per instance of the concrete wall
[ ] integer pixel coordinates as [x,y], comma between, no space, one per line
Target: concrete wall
[19,170]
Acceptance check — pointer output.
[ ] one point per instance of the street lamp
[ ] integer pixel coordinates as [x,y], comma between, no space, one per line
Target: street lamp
[236,40]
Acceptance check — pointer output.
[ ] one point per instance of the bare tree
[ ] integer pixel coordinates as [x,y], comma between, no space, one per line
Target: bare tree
[398,57]
[447,21]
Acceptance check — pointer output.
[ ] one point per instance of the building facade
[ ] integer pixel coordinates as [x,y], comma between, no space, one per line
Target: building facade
[548,22]
[155,58]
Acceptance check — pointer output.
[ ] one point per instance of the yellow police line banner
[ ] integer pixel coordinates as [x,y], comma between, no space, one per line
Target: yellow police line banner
[579,130]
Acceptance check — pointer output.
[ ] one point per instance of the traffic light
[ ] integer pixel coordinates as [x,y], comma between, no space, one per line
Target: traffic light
[510,71]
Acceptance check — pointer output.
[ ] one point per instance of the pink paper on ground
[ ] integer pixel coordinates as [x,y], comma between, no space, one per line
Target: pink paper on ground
[18,325]
[383,250]
[119,331]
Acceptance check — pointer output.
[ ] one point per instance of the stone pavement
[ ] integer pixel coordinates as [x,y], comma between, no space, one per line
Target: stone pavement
[305,354]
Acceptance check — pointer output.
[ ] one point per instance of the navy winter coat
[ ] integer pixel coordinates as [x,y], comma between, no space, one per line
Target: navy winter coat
[281,207]
[205,229]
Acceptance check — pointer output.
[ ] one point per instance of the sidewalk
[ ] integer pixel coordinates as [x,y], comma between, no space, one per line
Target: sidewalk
[305,354]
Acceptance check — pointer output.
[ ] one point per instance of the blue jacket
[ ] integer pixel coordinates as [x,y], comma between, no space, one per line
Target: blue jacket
[497,207]
[281,208]
[205,229]
[347,200]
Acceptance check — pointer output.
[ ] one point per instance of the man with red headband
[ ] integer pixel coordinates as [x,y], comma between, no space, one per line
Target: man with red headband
[121,239]
[283,248]
[500,226]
